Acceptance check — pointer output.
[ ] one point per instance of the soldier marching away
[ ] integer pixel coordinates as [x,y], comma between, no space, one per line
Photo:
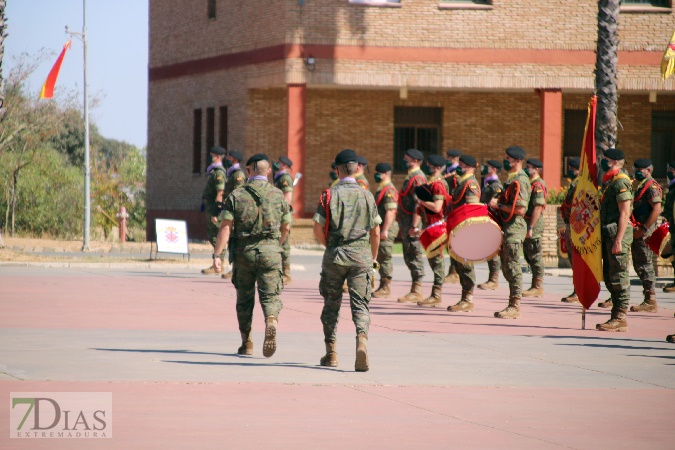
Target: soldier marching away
[451,182]
[532,247]
[669,215]
[565,210]
[284,182]
[213,200]
[235,178]
[491,188]
[255,222]
[511,206]
[347,223]
[386,199]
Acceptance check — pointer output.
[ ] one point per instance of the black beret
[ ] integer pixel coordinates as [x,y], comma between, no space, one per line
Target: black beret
[573,162]
[217,151]
[468,160]
[383,168]
[257,157]
[285,160]
[423,192]
[494,163]
[415,154]
[671,164]
[346,156]
[333,166]
[236,154]
[614,154]
[362,160]
[642,163]
[436,160]
[535,162]
[516,152]
[453,153]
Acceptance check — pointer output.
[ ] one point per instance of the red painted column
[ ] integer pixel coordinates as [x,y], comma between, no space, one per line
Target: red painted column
[296,141]
[550,147]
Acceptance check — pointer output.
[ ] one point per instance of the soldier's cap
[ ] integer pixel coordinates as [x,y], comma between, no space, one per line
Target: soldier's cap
[535,162]
[671,164]
[423,192]
[415,154]
[516,152]
[383,167]
[346,156]
[574,162]
[285,160]
[436,160]
[614,154]
[468,160]
[453,153]
[236,154]
[642,163]
[217,151]
[494,163]
[362,160]
[257,157]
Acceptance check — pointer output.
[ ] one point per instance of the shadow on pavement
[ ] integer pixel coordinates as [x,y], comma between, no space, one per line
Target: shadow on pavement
[293,365]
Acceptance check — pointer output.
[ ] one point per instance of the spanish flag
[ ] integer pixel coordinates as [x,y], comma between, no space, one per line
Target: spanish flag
[585,220]
[48,88]
[668,63]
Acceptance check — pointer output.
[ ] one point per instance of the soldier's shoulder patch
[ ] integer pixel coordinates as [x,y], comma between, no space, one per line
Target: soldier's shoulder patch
[473,187]
[538,191]
[284,184]
[219,178]
[622,190]
[240,178]
[389,195]
[498,190]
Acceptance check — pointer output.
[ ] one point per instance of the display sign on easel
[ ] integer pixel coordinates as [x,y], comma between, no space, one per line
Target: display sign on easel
[171,237]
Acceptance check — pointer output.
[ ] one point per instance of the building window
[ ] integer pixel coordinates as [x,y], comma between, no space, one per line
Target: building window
[375,2]
[197,141]
[477,2]
[418,128]
[222,129]
[663,141]
[658,3]
[211,9]
[210,134]
[573,134]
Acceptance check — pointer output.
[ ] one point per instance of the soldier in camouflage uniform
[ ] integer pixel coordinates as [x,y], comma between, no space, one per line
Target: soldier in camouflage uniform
[534,216]
[213,200]
[284,182]
[492,188]
[235,178]
[511,207]
[412,249]
[386,199]
[566,210]
[255,222]
[669,215]
[451,182]
[347,223]
[617,237]
[360,178]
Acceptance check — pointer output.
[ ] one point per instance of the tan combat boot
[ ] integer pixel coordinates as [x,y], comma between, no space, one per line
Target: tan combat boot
[617,321]
[330,359]
[345,288]
[492,282]
[287,275]
[210,271]
[465,304]
[537,288]
[384,291]
[452,277]
[434,299]
[226,276]
[512,311]
[572,298]
[669,287]
[671,338]
[270,344]
[361,364]
[246,344]
[606,304]
[648,305]
[415,294]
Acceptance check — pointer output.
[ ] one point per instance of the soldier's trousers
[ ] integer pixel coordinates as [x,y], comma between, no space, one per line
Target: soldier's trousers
[384,256]
[643,263]
[510,259]
[212,233]
[534,255]
[467,276]
[615,267]
[495,265]
[412,254]
[358,279]
[260,265]
[286,252]
[438,268]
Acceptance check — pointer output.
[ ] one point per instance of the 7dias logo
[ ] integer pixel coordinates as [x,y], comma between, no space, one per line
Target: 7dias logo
[65,415]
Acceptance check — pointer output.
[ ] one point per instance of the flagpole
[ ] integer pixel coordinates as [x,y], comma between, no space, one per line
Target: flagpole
[583,317]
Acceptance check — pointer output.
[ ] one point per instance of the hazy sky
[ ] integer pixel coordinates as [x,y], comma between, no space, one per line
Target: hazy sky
[117,47]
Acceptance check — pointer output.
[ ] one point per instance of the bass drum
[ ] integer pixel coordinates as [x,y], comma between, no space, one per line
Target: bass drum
[659,242]
[472,234]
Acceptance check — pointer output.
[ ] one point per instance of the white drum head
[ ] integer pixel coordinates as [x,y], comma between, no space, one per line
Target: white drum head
[475,241]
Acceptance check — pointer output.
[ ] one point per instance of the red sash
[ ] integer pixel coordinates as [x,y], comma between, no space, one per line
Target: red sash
[384,191]
[406,192]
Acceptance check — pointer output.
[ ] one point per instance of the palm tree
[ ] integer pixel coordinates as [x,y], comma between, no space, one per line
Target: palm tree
[606,74]
[3,35]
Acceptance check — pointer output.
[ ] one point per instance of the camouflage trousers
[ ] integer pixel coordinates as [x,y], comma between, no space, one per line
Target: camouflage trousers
[643,263]
[510,259]
[438,268]
[286,252]
[384,256]
[467,276]
[212,233]
[358,279]
[261,265]
[534,256]
[495,265]
[615,267]
[412,254]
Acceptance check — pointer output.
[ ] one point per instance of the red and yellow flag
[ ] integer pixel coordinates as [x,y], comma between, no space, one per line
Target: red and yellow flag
[585,220]
[48,88]
[668,62]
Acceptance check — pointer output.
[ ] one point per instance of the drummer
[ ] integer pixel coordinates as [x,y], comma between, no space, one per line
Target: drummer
[453,155]
[467,191]
[491,188]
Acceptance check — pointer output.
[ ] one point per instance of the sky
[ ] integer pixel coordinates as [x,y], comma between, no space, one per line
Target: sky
[117,56]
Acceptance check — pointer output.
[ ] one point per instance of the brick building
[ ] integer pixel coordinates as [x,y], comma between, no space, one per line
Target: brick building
[308,78]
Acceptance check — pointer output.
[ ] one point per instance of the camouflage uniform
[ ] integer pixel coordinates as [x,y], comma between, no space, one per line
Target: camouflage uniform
[387,199]
[642,255]
[284,182]
[412,249]
[532,247]
[492,189]
[348,255]
[256,210]
[362,181]
[214,183]
[466,192]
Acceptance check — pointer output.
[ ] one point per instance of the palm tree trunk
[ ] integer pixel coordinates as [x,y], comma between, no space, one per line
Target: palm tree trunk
[606,74]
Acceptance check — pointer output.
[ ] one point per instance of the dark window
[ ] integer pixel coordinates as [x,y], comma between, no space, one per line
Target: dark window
[211,9]
[197,141]
[660,3]
[210,133]
[477,2]
[573,137]
[418,128]
[663,141]
[222,129]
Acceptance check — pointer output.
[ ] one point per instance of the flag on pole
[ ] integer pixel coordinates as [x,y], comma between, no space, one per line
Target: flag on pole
[585,220]
[668,62]
[48,88]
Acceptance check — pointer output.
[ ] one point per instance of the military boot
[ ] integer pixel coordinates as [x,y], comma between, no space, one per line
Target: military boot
[210,271]
[287,275]
[345,288]
[669,287]
[617,321]
[606,304]
[361,364]
[434,299]
[537,288]
[270,344]
[246,344]
[465,304]
[492,282]
[671,338]
[572,298]
[415,294]
[512,311]
[384,291]
[452,277]
[330,359]
[648,305]
[226,276]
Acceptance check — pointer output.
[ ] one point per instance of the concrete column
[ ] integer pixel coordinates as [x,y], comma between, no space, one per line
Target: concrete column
[550,146]
[296,94]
